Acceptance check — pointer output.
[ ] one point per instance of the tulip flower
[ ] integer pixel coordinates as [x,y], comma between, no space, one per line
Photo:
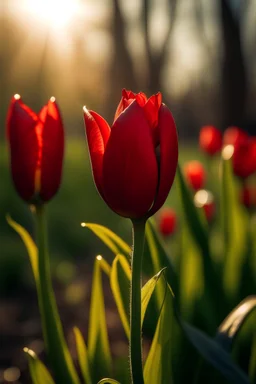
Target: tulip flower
[167,221]
[134,162]
[244,158]
[195,174]
[234,136]
[248,196]
[36,144]
[210,140]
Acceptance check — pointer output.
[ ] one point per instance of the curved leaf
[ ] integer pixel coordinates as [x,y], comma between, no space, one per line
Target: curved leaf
[109,238]
[82,356]
[38,371]
[98,343]
[120,277]
[108,381]
[147,291]
[158,368]
[230,327]
[211,351]
[29,244]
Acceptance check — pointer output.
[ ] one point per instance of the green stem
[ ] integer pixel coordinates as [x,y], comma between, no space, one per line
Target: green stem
[56,346]
[135,302]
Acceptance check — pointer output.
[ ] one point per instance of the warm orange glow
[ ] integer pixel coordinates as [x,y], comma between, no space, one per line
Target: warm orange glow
[56,14]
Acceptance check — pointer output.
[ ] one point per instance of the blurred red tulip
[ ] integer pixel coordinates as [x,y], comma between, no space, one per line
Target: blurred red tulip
[195,174]
[36,144]
[209,210]
[210,140]
[244,158]
[204,199]
[134,162]
[248,196]
[234,136]
[167,221]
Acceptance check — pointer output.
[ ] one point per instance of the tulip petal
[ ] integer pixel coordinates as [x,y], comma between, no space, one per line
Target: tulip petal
[151,110]
[52,141]
[129,165]
[21,122]
[168,156]
[97,132]
[127,99]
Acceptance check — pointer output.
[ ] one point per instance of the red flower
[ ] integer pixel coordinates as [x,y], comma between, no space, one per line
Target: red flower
[204,199]
[234,136]
[167,221]
[210,140]
[36,146]
[248,196]
[134,162]
[195,174]
[244,158]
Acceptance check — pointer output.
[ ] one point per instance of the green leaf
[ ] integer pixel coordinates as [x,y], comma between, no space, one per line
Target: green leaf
[38,371]
[98,343]
[230,327]
[147,291]
[29,244]
[195,242]
[252,363]
[159,259]
[158,368]
[108,381]
[120,277]
[192,216]
[109,238]
[235,232]
[211,351]
[82,356]
[191,274]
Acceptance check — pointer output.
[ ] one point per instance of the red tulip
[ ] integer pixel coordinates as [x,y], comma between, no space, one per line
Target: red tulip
[244,158]
[36,149]
[134,162]
[195,174]
[248,196]
[205,200]
[210,140]
[167,221]
[234,136]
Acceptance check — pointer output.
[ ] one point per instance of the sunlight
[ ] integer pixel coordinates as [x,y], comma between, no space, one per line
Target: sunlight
[57,14]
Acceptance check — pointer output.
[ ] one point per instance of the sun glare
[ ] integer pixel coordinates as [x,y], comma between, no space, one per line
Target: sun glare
[56,14]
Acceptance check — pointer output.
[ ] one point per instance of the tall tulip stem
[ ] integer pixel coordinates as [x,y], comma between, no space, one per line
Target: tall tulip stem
[135,302]
[57,351]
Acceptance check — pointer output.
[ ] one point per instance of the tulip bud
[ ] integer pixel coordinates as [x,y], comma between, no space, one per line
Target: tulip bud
[248,196]
[130,175]
[167,221]
[205,200]
[36,144]
[210,140]
[244,158]
[234,136]
[195,174]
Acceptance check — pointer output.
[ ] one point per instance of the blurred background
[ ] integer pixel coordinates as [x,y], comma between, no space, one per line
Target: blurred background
[200,54]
